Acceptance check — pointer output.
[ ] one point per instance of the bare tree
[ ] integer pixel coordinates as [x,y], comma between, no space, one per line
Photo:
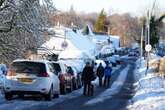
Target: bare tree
[21,28]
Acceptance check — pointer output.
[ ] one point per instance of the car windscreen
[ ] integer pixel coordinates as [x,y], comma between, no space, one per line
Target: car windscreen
[29,67]
[57,67]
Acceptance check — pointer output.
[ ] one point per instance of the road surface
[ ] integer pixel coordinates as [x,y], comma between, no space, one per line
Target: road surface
[117,100]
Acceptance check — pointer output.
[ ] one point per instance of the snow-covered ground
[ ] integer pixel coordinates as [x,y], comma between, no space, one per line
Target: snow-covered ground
[150,89]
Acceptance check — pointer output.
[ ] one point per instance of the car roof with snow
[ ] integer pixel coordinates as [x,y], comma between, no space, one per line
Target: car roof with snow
[28,60]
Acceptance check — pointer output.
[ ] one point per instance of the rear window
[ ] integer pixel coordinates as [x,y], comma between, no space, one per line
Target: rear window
[57,67]
[29,67]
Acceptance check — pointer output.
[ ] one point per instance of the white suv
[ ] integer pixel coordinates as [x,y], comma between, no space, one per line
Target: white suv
[31,77]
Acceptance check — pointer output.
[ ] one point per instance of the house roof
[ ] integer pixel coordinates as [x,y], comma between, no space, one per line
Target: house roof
[76,42]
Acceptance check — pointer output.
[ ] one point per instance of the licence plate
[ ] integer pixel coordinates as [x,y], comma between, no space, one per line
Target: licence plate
[26,80]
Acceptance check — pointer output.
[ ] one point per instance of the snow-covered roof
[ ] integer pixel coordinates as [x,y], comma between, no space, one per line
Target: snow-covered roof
[75,42]
[115,41]
[78,64]
[100,38]
[28,60]
[72,54]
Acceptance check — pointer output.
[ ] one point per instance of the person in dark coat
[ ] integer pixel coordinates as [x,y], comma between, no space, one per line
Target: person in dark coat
[100,73]
[87,77]
[107,74]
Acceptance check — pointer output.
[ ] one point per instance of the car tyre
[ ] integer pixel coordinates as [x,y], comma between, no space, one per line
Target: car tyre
[79,84]
[8,96]
[56,95]
[75,84]
[49,96]
[62,89]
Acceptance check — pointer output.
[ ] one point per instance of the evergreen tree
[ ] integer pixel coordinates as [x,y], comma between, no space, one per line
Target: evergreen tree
[155,25]
[85,30]
[100,25]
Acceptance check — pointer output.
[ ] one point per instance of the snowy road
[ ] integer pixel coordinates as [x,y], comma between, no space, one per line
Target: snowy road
[114,98]
[120,83]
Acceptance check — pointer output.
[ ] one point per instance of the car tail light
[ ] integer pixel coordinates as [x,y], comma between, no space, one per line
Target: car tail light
[61,78]
[44,75]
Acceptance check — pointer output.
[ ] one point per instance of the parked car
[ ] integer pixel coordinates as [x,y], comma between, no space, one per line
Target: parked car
[113,61]
[1,79]
[31,77]
[117,57]
[66,78]
[133,54]
[3,71]
[77,78]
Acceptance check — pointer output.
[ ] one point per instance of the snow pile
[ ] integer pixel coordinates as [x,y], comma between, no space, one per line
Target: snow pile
[150,93]
[116,86]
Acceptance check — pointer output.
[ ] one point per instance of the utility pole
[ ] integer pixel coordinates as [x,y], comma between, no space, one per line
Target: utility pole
[149,15]
[148,38]
[141,46]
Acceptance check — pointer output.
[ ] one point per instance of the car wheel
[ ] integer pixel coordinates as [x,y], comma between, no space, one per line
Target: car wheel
[56,95]
[79,83]
[49,96]
[75,84]
[62,89]
[8,96]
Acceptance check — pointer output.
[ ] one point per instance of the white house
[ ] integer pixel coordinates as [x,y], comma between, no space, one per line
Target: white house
[68,44]
[105,43]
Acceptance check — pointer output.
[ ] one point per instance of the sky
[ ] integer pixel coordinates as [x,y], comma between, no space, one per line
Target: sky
[135,7]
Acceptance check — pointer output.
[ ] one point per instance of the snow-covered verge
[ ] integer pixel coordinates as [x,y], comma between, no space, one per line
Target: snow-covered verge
[150,90]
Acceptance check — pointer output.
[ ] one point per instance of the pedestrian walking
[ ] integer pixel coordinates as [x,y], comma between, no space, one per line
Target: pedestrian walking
[87,77]
[95,67]
[100,73]
[107,75]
